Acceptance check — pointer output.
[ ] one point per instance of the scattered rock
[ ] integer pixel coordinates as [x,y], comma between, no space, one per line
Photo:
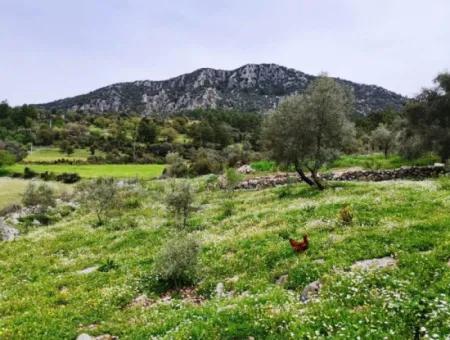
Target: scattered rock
[85,336]
[282,280]
[220,290]
[7,233]
[88,270]
[319,261]
[413,172]
[245,169]
[310,291]
[142,301]
[36,223]
[373,264]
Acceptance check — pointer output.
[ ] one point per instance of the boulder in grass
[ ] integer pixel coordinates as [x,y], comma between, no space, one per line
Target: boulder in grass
[7,233]
[374,264]
[310,291]
[245,169]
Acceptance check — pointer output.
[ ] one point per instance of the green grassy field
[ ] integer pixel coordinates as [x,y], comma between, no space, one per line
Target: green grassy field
[144,171]
[42,295]
[11,190]
[52,154]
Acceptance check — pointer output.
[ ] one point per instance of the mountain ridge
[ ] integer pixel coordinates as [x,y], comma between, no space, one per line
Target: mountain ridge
[250,87]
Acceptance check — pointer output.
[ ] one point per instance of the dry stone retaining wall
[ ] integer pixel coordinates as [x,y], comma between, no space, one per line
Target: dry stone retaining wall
[414,173]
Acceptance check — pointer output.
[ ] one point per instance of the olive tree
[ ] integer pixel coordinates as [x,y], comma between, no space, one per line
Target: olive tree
[383,138]
[309,129]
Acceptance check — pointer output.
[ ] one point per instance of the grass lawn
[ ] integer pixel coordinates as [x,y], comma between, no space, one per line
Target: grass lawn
[11,189]
[43,295]
[52,154]
[145,171]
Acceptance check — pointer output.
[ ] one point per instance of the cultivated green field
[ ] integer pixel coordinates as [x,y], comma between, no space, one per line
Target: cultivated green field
[144,171]
[43,295]
[11,189]
[52,154]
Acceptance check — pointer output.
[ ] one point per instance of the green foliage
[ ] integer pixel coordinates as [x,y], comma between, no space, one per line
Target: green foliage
[176,263]
[39,195]
[179,199]
[206,161]
[264,165]
[100,196]
[309,130]
[427,121]
[232,178]
[228,208]
[108,265]
[345,215]
[147,131]
[6,158]
[177,165]
[383,138]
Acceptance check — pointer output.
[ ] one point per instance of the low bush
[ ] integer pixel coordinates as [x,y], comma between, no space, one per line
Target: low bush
[179,199]
[28,173]
[39,195]
[345,215]
[264,165]
[177,166]
[68,178]
[176,264]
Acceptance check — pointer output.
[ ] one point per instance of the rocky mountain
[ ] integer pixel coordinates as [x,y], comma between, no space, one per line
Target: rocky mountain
[250,87]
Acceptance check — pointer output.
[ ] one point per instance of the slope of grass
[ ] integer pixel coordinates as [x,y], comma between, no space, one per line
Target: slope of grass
[43,296]
[145,171]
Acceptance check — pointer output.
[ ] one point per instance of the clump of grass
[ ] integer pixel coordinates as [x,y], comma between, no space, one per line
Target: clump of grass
[108,265]
[345,215]
[264,165]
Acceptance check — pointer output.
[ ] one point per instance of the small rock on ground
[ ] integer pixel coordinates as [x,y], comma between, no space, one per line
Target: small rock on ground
[85,336]
[282,280]
[311,290]
[142,301]
[88,270]
[373,264]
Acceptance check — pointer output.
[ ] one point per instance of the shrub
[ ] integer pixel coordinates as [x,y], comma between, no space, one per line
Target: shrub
[68,178]
[107,266]
[47,176]
[264,166]
[178,166]
[346,215]
[179,201]
[39,195]
[206,161]
[100,196]
[228,208]
[6,158]
[176,263]
[232,179]
[28,173]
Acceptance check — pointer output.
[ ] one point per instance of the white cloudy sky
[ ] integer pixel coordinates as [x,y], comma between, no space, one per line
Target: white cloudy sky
[53,48]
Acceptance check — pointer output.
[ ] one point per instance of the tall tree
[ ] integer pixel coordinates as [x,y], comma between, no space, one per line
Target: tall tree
[428,118]
[309,129]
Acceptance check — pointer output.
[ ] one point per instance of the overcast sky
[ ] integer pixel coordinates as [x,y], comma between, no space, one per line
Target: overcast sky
[52,49]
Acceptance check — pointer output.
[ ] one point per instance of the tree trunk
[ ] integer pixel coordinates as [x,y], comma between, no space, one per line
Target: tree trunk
[316,180]
[303,176]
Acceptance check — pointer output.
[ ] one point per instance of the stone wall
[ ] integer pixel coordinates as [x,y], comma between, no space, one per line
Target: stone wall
[413,173]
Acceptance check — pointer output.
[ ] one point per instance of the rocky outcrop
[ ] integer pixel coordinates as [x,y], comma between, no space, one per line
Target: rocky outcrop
[252,87]
[414,173]
[7,233]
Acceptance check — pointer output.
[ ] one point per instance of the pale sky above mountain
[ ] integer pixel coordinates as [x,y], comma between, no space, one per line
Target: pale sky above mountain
[51,49]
